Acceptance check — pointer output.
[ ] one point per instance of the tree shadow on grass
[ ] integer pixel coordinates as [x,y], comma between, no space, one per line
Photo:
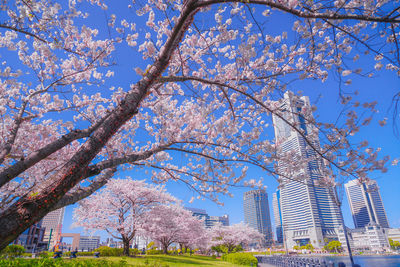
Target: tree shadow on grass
[179,259]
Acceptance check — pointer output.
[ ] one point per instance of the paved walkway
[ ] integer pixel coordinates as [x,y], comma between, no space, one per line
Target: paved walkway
[265,265]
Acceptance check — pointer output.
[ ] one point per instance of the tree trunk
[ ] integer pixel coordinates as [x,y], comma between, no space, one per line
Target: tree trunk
[35,205]
[165,244]
[126,242]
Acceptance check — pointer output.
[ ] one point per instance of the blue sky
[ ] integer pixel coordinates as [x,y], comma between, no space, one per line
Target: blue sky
[324,95]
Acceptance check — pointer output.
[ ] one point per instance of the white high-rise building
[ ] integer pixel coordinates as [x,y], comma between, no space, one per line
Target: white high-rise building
[53,224]
[366,204]
[309,211]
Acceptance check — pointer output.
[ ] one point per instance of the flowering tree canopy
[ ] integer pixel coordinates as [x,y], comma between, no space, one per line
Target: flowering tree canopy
[173,224]
[120,208]
[234,235]
[202,79]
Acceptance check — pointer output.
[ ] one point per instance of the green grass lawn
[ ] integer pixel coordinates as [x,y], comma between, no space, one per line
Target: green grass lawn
[172,261]
[142,261]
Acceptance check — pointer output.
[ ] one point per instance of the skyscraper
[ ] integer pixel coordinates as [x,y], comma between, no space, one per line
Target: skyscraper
[53,224]
[277,215]
[256,213]
[309,211]
[366,203]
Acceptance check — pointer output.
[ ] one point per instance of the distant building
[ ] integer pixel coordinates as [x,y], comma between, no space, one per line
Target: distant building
[110,242]
[209,221]
[256,213]
[75,241]
[309,211]
[366,204]
[89,243]
[140,242]
[79,242]
[372,237]
[393,233]
[32,238]
[277,216]
[52,223]
[199,213]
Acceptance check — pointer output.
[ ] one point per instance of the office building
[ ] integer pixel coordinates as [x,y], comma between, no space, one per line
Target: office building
[89,243]
[372,237]
[80,243]
[199,213]
[309,210]
[277,216]
[213,220]
[32,238]
[52,223]
[366,203]
[209,221]
[256,213]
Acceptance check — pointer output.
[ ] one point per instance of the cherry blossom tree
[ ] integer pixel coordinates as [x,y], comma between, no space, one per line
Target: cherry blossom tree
[173,224]
[234,235]
[193,234]
[206,74]
[120,208]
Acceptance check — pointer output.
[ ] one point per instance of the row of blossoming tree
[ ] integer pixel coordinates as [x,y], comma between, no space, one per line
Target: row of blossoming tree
[88,88]
[127,208]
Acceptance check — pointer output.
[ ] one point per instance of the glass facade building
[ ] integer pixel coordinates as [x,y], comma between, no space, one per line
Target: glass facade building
[309,211]
[256,213]
[209,221]
[366,204]
[277,215]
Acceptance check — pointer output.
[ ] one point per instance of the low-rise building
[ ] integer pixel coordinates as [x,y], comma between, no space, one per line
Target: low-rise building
[393,233]
[209,221]
[89,243]
[372,237]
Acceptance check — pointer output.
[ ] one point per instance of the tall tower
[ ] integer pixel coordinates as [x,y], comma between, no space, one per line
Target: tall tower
[256,213]
[309,211]
[366,203]
[276,205]
[53,224]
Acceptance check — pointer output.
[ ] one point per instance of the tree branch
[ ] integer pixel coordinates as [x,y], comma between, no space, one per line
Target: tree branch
[302,14]
[81,193]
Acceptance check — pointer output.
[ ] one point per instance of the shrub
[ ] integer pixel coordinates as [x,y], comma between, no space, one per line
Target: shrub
[13,251]
[107,251]
[240,259]
[134,251]
[49,262]
[46,254]
[154,252]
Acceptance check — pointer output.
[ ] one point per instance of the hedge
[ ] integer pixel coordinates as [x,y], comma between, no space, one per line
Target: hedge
[240,259]
[107,251]
[154,252]
[50,262]
[12,251]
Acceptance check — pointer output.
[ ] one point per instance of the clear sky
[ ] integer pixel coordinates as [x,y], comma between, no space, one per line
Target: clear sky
[382,89]
[324,95]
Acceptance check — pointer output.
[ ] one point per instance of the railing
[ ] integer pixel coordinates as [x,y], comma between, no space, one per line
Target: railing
[288,261]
